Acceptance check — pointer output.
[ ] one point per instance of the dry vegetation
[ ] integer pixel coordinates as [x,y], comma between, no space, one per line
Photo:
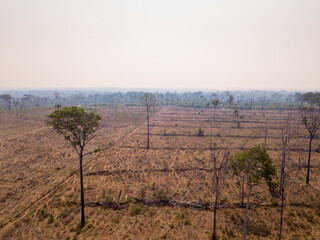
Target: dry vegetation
[39,191]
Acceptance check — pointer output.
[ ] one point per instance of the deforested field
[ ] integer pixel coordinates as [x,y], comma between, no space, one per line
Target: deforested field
[167,191]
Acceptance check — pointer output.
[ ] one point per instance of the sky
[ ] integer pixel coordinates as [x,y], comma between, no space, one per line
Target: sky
[168,44]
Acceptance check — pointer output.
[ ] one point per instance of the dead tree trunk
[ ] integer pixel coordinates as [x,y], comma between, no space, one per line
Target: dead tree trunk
[148,134]
[149,101]
[217,167]
[215,209]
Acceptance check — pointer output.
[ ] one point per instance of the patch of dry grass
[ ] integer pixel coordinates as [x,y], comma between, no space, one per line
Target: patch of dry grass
[177,162]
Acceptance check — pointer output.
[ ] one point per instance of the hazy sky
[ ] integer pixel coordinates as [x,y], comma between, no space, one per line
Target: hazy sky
[214,44]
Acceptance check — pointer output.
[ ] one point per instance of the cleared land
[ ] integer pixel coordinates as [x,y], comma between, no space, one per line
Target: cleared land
[39,195]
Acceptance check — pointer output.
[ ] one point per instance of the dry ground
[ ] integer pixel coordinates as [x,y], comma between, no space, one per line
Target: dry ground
[35,161]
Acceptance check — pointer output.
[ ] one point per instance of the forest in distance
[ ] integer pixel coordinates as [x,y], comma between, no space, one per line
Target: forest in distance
[187,165]
[254,99]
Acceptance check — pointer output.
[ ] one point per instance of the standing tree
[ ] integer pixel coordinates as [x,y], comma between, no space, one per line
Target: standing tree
[76,126]
[220,162]
[16,103]
[149,101]
[311,120]
[256,164]
[237,118]
[7,101]
[230,99]
[215,102]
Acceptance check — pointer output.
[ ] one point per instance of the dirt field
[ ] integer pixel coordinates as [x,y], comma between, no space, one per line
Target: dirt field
[40,194]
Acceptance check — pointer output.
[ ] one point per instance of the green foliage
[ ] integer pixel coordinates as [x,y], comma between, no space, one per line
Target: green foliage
[255,163]
[161,196]
[97,150]
[165,132]
[259,229]
[230,99]
[200,132]
[215,102]
[187,222]
[182,215]
[74,124]
[142,193]
[135,210]
[188,183]
[109,201]
[116,219]
[311,98]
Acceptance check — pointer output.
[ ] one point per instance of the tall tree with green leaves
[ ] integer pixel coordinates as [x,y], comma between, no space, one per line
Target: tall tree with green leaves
[256,164]
[77,127]
[311,120]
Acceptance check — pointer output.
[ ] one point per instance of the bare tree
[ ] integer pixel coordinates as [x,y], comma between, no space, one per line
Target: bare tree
[230,100]
[218,165]
[285,138]
[16,103]
[311,120]
[149,101]
[7,101]
[215,102]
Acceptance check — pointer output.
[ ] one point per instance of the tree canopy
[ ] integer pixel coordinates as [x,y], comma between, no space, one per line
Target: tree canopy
[74,124]
[256,163]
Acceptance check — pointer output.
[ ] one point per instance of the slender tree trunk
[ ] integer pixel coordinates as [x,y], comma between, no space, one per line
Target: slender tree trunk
[82,192]
[282,170]
[215,209]
[266,135]
[246,215]
[281,212]
[281,189]
[147,130]
[309,157]
[242,191]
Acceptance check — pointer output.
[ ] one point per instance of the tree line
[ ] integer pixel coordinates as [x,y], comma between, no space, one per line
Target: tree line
[228,99]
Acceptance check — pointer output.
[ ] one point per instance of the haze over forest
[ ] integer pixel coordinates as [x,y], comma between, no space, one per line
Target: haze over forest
[216,45]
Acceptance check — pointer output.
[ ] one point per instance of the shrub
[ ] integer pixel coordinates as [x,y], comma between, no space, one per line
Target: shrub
[116,219]
[135,210]
[187,222]
[142,193]
[161,196]
[259,229]
[110,202]
[200,132]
